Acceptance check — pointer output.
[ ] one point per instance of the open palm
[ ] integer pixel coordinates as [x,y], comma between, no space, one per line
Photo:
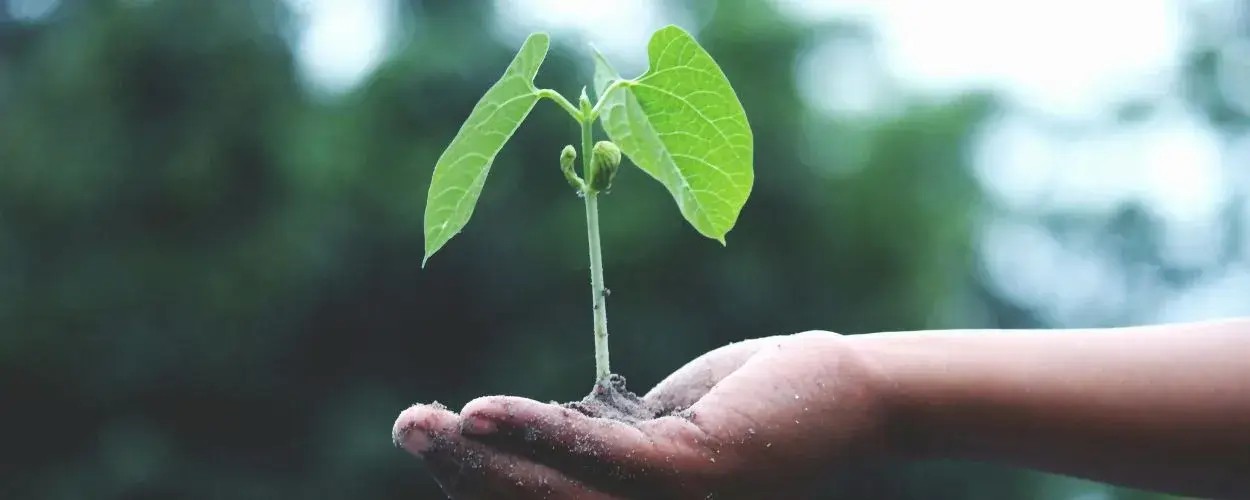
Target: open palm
[766,415]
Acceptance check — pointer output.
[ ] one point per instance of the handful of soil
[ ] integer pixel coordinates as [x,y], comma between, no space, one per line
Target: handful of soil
[611,400]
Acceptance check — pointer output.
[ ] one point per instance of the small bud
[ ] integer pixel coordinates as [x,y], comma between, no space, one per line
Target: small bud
[605,160]
[583,101]
[568,160]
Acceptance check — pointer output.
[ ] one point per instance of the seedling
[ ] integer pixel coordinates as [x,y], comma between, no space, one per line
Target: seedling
[680,122]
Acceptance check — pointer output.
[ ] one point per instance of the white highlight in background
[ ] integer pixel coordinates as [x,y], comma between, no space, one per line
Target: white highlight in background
[342,42]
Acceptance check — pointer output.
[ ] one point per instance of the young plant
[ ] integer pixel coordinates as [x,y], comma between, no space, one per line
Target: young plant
[680,122]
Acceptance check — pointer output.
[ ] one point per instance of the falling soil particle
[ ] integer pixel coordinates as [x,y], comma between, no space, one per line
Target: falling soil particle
[611,400]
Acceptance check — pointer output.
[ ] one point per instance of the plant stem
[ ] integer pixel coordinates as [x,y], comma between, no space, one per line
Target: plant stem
[602,368]
[562,102]
[616,84]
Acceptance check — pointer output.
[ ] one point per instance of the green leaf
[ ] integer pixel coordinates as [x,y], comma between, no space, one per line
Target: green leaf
[682,123]
[462,169]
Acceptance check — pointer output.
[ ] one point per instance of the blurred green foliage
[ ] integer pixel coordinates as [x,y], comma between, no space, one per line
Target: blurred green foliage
[209,275]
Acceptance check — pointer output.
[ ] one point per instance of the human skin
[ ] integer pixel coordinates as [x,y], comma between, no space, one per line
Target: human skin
[1163,408]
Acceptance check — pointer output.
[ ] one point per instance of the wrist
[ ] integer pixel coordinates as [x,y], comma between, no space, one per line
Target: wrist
[908,426]
[866,393]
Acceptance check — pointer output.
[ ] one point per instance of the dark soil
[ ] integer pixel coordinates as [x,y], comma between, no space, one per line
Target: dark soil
[611,400]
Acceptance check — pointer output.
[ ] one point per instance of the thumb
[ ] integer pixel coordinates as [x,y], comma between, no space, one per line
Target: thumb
[691,382]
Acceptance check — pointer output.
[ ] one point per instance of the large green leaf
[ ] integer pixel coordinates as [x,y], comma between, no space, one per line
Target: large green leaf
[463,167]
[682,123]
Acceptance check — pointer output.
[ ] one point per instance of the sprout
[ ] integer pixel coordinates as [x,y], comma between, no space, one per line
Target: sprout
[680,122]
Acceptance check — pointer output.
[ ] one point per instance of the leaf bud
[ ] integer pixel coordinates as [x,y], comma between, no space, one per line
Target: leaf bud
[568,160]
[605,160]
[583,101]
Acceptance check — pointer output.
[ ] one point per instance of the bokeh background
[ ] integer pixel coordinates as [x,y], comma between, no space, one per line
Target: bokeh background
[211,216]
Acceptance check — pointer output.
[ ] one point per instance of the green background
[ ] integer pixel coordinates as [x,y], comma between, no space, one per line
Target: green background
[210,282]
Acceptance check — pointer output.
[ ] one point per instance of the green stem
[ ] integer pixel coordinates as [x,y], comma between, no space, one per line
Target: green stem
[602,368]
[616,84]
[564,103]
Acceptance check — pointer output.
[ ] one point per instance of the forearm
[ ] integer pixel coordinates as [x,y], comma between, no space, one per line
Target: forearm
[1163,407]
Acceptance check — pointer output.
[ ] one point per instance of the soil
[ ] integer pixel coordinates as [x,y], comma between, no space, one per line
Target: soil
[610,399]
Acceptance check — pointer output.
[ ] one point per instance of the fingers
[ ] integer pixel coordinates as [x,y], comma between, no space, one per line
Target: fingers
[466,469]
[616,457]
[691,382]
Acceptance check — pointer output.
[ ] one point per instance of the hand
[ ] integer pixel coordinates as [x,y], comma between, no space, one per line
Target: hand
[772,415]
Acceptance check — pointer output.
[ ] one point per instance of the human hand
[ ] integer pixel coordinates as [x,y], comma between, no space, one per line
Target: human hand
[772,415]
